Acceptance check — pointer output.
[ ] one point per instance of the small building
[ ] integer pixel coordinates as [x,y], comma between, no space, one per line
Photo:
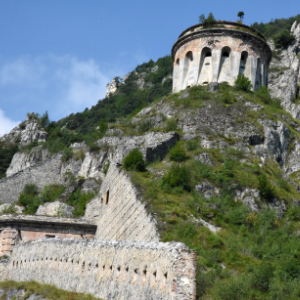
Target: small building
[220,53]
[25,228]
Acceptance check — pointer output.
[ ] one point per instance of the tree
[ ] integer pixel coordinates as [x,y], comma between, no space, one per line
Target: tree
[241,15]
[207,22]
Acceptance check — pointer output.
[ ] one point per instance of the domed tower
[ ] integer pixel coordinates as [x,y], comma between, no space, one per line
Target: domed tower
[219,53]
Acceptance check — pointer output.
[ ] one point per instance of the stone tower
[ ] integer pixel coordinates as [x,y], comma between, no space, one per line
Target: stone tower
[219,53]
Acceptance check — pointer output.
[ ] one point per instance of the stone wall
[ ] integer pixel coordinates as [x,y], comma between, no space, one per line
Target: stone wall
[118,211]
[218,55]
[109,270]
[15,229]
[41,174]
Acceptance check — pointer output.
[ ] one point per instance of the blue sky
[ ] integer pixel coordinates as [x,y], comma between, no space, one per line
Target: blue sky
[59,55]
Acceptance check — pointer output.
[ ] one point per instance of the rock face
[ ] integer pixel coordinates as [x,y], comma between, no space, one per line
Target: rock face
[26,132]
[56,208]
[112,87]
[6,207]
[23,160]
[108,269]
[284,74]
[16,294]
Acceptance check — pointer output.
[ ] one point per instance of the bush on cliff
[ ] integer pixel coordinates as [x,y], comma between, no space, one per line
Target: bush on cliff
[242,83]
[177,153]
[283,39]
[134,161]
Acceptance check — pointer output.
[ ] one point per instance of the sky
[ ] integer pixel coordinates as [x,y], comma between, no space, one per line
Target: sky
[58,55]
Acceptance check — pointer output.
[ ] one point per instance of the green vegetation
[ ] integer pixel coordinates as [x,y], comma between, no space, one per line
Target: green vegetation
[283,39]
[31,198]
[207,22]
[6,155]
[242,83]
[67,154]
[79,201]
[44,290]
[177,153]
[134,161]
[278,30]
[241,15]
[272,28]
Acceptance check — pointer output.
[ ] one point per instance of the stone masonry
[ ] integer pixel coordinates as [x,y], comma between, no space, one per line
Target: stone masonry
[118,211]
[108,269]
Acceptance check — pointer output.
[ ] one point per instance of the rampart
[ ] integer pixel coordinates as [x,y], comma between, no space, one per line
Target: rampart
[118,211]
[107,269]
[41,174]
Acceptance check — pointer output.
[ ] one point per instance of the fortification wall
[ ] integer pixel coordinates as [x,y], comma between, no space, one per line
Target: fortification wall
[109,270]
[218,55]
[118,211]
[41,174]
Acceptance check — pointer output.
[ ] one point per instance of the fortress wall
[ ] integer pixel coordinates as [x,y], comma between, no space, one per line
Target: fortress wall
[41,174]
[109,270]
[189,72]
[118,211]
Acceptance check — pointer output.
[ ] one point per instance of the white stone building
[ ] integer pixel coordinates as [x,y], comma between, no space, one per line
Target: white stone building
[219,53]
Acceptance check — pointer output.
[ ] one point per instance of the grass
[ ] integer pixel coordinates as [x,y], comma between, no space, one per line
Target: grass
[44,290]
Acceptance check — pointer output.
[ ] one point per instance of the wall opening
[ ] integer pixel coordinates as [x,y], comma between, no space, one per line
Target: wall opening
[205,68]
[225,73]
[106,198]
[50,236]
[258,77]
[243,62]
[189,55]
[177,61]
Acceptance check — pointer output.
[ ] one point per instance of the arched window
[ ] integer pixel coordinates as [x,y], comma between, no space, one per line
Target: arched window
[177,61]
[190,55]
[243,62]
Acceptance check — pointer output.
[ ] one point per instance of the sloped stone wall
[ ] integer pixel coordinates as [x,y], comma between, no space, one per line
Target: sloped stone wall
[41,174]
[118,211]
[109,270]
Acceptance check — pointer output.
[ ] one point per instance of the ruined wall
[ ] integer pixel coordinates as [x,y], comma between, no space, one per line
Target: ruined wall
[41,174]
[109,270]
[118,211]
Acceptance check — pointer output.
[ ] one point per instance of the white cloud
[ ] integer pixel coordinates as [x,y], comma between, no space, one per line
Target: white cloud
[6,125]
[59,84]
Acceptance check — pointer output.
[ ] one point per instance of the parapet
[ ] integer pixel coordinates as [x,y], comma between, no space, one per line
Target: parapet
[107,269]
[220,53]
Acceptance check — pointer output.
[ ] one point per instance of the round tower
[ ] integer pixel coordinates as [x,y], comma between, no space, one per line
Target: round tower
[219,53]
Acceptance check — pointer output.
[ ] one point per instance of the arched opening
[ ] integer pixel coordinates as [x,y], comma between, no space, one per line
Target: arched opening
[205,70]
[243,62]
[177,61]
[225,73]
[189,55]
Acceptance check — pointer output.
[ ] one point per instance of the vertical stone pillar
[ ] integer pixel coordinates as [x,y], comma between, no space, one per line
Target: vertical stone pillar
[196,67]
[216,61]
[253,69]
[236,60]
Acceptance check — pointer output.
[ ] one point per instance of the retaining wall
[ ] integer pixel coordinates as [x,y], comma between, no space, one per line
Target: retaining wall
[106,269]
[118,211]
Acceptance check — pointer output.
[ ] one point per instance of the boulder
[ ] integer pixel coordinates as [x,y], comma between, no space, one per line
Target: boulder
[56,208]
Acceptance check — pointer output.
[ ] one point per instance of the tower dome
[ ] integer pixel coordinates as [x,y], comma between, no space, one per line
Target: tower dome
[220,53]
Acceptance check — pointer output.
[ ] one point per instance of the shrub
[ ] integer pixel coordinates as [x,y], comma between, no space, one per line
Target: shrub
[145,126]
[79,201]
[265,188]
[177,176]
[134,161]
[283,39]
[177,153]
[191,145]
[262,276]
[67,154]
[242,83]
[171,124]
[29,199]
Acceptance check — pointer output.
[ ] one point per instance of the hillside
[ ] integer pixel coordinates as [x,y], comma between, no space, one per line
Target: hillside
[217,168]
